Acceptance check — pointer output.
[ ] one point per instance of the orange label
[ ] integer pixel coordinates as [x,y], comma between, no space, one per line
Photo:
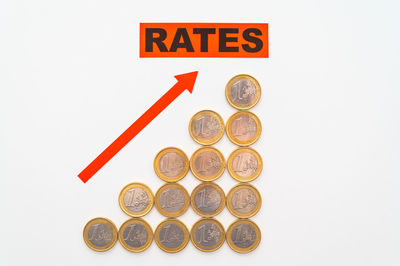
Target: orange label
[204,40]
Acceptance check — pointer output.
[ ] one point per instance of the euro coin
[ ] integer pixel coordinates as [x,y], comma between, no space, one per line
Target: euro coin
[243,236]
[171,164]
[207,164]
[207,199]
[243,128]
[100,234]
[136,199]
[171,235]
[243,92]
[244,164]
[206,127]
[135,235]
[207,234]
[172,200]
[243,200]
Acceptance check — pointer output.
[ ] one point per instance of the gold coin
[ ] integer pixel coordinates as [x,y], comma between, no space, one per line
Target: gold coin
[171,235]
[244,164]
[171,164]
[135,235]
[207,199]
[136,199]
[243,200]
[207,164]
[207,234]
[243,92]
[172,200]
[243,128]
[100,234]
[206,127]
[243,236]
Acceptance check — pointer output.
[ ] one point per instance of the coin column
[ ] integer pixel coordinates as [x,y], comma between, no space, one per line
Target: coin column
[244,164]
[207,165]
[171,200]
[136,200]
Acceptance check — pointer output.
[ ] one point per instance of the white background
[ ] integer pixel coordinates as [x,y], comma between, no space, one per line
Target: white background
[71,81]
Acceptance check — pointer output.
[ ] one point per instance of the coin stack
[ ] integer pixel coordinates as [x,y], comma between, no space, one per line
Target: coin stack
[207,164]
[244,164]
[172,200]
[207,199]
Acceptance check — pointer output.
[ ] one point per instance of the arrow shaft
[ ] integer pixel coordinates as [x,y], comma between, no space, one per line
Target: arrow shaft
[131,132]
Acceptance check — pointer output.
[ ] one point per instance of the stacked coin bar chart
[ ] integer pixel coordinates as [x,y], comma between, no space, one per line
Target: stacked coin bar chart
[207,199]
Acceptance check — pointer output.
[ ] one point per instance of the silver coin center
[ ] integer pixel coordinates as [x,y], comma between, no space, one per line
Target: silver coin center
[243,236]
[207,234]
[244,164]
[207,199]
[135,235]
[244,200]
[243,91]
[171,164]
[100,234]
[206,127]
[136,199]
[207,163]
[172,200]
[171,236]
[244,128]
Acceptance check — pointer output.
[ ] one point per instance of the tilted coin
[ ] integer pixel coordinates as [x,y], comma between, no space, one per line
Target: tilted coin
[172,200]
[206,127]
[207,164]
[243,200]
[171,164]
[244,164]
[135,235]
[100,234]
[171,235]
[243,128]
[243,92]
[243,236]
[136,199]
[207,199]
[207,234]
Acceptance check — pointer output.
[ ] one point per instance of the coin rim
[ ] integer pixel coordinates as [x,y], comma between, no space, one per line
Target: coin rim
[229,96]
[236,248]
[234,175]
[185,205]
[105,221]
[235,140]
[157,166]
[202,221]
[149,195]
[229,201]
[185,235]
[218,174]
[193,202]
[148,229]
[220,133]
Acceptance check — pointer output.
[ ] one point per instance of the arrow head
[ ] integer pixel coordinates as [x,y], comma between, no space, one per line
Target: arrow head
[187,80]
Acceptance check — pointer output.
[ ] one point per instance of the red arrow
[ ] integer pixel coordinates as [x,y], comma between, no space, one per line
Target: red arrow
[185,82]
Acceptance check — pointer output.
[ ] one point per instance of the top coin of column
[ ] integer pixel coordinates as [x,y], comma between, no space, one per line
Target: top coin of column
[243,92]
[206,127]
[171,164]
[136,199]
